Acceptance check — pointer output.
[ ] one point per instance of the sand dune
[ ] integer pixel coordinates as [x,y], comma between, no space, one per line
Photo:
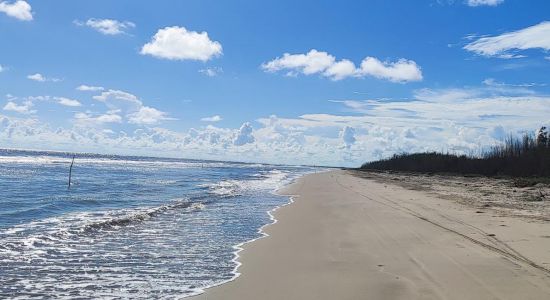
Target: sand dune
[347,237]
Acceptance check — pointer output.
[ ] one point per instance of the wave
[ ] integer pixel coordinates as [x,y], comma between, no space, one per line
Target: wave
[59,230]
[259,182]
[131,218]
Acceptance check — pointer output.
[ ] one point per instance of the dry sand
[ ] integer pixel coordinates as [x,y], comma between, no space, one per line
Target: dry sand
[376,237]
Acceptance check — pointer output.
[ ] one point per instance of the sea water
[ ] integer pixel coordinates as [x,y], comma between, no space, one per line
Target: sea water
[128,227]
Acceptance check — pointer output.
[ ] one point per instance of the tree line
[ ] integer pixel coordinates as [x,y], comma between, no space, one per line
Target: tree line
[524,156]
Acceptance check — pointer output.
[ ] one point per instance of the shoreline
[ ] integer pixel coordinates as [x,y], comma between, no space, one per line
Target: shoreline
[262,265]
[240,247]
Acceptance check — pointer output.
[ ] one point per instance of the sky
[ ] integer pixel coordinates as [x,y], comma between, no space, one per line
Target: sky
[312,82]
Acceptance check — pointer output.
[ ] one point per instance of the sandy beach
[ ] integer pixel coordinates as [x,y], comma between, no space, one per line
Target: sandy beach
[377,237]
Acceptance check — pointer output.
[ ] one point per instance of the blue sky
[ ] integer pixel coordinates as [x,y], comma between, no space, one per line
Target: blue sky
[313,82]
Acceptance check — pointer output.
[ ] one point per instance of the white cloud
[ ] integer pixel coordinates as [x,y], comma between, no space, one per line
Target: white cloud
[24,108]
[312,62]
[317,62]
[401,71]
[68,102]
[244,135]
[37,77]
[534,37]
[118,95]
[211,72]
[340,70]
[215,118]
[87,119]
[460,120]
[41,78]
[136,112]
[177,43]
[147,115]
[484,2]
[348,136]
[2,69]
[89,88]
[494,83]
[29,102]
[107,26]
[19,9]
[133,108]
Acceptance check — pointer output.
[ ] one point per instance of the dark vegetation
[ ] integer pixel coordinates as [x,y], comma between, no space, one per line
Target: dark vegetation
[527,157]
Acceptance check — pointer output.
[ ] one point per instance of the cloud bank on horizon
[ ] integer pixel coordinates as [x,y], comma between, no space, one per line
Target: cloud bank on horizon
[369,93]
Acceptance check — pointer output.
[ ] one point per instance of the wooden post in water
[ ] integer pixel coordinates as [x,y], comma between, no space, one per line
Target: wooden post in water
[70,173]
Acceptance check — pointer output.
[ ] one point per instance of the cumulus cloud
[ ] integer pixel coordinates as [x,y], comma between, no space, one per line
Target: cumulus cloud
[310,63]
[24,108]
[340,70]
[348,136]
[89,88]
[401,71]
[68,102]
[20,10]
[147,115]
[504,45]
[135,111]
[318,62]
[484,2]
[41,78]
[177,43]
[2,68]
[107,26]
[215,118]
[244,135]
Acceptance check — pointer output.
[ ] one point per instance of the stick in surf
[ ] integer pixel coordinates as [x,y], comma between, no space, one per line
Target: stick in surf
[70,173]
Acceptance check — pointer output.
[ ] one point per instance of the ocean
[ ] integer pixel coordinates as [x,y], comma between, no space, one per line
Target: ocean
[128,227]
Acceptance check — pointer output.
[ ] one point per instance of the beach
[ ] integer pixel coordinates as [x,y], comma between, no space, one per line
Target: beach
[350,235]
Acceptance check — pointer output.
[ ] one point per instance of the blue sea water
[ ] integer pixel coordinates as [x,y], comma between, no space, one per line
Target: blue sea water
[129,227]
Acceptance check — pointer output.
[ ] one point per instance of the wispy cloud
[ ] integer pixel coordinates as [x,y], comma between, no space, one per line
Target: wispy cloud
[484,2]
[89,120]
[89,88]
[41,78]
[504,45]
[215,118]
[107,26]
[211,71]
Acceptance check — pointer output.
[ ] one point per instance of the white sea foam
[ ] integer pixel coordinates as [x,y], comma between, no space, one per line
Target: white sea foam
[262,182]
